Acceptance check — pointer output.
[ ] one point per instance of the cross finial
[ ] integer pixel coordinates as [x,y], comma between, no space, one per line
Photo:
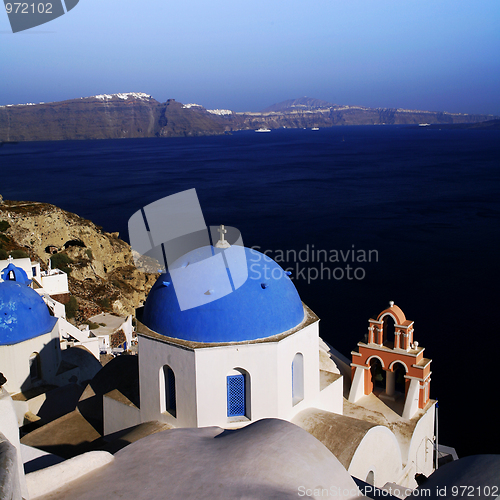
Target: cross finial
[10,259]
[222,232]
[222,243]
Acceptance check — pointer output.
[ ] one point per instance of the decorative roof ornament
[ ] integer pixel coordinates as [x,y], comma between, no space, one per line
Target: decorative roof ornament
[222,243]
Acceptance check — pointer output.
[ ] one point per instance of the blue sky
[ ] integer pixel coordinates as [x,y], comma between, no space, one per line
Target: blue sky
[246,55]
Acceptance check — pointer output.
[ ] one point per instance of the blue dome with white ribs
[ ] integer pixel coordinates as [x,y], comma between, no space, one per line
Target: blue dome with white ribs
[23,314]
[216,295]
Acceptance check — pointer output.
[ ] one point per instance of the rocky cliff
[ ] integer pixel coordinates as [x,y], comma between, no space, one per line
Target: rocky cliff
[101,272]
[140,115]
[309,112]
[114,116]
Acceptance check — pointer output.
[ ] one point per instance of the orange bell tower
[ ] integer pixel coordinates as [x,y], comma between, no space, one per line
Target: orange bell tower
[390,363]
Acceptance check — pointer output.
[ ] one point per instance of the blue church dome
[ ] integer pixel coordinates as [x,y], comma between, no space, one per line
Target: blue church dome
[265,304]
[23,313]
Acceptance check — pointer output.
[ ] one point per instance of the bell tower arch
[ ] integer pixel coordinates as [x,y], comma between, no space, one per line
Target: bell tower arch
[401,370]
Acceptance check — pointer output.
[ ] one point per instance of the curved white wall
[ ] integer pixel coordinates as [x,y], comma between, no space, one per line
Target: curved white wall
[378,452]
[9,428]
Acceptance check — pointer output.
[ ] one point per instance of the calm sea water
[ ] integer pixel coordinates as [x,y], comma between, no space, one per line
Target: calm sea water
[426,202]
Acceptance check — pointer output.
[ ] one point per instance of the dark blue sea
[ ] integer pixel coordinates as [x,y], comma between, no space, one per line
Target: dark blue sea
[426,202]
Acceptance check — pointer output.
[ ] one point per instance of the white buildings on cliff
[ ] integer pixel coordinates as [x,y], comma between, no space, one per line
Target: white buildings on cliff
[34,334]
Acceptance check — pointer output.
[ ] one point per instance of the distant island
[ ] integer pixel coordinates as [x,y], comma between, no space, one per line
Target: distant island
[131,115]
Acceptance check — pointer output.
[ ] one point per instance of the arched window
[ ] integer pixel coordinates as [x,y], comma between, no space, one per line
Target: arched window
[238,383]
[370,479]
[388,327]
[297,379]
[378,374]
[399,377]
[168,402]
[35,371]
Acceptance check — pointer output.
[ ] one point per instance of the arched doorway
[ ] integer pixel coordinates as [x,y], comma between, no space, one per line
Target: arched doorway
[35,368]
[168,399]
[377,373]
[399,377]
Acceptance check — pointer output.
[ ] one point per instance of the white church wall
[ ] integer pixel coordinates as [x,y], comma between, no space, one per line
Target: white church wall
[269,367]
[358,385]
[421,451]
[153,355]
[411,404]
[15,361]
[331,398]
[201,380]
[379,453]
[305,342]
[215,363]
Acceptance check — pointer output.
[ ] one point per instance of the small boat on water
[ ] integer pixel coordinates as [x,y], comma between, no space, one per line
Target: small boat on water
[315,128]
[262,129]
[423,124]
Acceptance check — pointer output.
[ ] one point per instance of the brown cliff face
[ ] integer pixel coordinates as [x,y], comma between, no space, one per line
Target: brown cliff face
[102,275]
[87,118]
[139,115]
[175,120]
[104,117]
[306,117]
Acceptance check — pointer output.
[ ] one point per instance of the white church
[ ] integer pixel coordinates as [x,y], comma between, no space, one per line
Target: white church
[251,350]
[248,355]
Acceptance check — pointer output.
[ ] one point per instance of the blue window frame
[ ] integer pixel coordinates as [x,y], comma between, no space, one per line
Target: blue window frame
[236,397]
